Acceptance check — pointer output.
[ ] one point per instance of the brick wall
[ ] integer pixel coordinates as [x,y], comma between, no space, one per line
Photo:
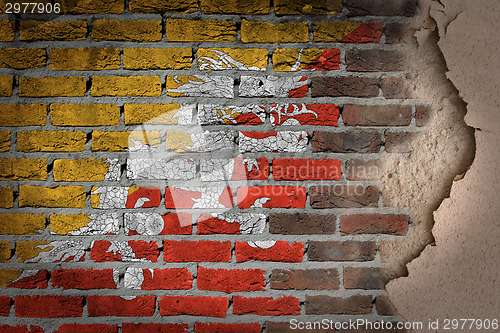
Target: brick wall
[211,166]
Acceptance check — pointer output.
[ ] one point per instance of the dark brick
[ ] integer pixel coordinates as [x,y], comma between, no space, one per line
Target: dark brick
[284,327]
[363,278]
[376,115]
[400,142]
[362,169]
[317,279]
[373,330]
[373,60]
[341,251]
[422,115]
[384,306]
[381,7]
[394,87]
[301,224]
[346,142]
[391,224]
[397,33]
[323,304]
[343,196]
[344,86]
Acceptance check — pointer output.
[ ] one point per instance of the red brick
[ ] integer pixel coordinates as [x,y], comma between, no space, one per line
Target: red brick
[346,142]
[322,304]
[317,279]
[280,251]
[173,278]
[241,172]
[363,278]
[83,279]
[230,280]
[198,251]
[154,328]
[363,169]
[274,196]
[384,306]
[377,115]
[194,306]
[341,251]
[306,169]
[422,115]
[344,196]
[381,7]
[374,224]
[20,329]
[324,114]
[374,60]
[182,198]
[227,328]
[48,306]
[142,249]
[208,224]
[140,306]
[266,306]
[38,281]
[5,302]
[87,328]
[344,86]
[301,224]
[401,142]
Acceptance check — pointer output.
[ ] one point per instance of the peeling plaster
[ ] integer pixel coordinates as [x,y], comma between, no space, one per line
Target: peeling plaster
[457,276]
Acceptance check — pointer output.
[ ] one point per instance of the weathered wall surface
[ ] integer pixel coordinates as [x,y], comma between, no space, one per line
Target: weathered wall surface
[457,277]
[219,166]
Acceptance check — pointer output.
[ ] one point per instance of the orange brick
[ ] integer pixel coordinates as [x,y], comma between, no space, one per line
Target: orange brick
[162,6]
[181,30]
[126,86]
[4,141]
[91,59]
[6,83]
[4,251]
[92,7]
[23,114]
[130,31]
[46,30]
[251,7]
[298,7]
[84,114]
[23,169]
[21,224]
[6,197]
[58,197]
[69,86]
[144,58]
[263,32]
[82,170]
[50,141]
[7,30]
[19,58]
[121,141]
